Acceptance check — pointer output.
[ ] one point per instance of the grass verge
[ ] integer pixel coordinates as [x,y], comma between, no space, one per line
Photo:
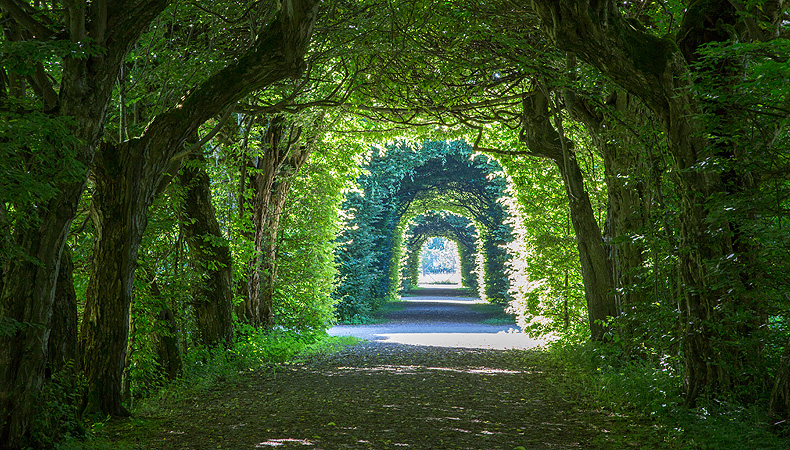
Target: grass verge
[497,314]
[644,403]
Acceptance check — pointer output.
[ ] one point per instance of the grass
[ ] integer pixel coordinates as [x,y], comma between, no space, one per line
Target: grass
[649,399]
[497,313]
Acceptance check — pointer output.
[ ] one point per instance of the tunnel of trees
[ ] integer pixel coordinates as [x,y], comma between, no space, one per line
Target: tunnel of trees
[405,181]
[442,224]
[176,177]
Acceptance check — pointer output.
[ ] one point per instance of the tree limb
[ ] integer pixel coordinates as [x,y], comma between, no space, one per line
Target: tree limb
[22,17]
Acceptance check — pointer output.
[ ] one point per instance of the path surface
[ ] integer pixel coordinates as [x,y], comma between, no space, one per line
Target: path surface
[409,387]
[438,318]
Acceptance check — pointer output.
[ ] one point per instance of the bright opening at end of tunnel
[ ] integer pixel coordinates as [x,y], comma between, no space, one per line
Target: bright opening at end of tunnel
[440,263]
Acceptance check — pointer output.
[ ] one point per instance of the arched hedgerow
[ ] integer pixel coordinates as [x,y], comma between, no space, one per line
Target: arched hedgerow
[402,181]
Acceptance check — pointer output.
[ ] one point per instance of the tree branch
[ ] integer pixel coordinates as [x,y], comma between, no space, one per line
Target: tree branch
[22,17]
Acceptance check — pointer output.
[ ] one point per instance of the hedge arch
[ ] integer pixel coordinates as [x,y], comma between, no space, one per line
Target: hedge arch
[454,227]
[401,182]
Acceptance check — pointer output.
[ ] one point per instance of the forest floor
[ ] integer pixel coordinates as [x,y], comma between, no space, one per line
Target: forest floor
[434,376]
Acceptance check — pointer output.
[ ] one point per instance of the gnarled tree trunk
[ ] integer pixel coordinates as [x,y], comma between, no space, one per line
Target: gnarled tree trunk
[213,295]
[545,141]
[128,176]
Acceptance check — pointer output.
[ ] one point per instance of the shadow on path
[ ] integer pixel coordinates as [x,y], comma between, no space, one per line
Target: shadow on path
[460,393]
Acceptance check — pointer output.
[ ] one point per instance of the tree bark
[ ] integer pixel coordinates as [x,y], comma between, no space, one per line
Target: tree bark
[127,178]
[274,151]
[281,159]
[625,206]
[62,348]
[657,70]
[213,295]
[27,298]
[296,158]
[545,141]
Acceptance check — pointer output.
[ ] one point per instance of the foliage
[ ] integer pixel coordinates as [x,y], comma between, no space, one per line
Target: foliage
[437,224]
[401,182]
[60,403]
[601,378]
[306,247]
[548,295]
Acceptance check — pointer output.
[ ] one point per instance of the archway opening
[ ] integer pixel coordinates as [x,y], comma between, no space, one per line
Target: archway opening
[440,263]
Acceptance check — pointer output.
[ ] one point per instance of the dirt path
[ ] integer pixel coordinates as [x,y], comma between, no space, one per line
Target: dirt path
[387,395]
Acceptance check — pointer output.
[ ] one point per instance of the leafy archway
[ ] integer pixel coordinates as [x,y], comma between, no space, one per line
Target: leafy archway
[444,224]
[402,181]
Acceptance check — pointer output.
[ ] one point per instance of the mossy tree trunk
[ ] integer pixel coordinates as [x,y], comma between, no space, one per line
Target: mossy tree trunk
[545,141]
[210,253]
[128,176]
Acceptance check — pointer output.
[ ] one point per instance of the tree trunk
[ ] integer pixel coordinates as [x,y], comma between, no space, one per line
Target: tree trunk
[119,211]
[266,166]
[213,295]
[62,348]
[625,217]
[26,310]
[294,161]
[128,176]
[545,141]
[282,157]
[168,355]
[658,71]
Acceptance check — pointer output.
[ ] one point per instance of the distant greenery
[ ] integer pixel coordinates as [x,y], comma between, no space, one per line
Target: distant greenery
[401,181]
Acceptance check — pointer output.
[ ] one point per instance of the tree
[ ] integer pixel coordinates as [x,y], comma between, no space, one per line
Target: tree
[39,224]
[213,296]
[126,176]
[660,71]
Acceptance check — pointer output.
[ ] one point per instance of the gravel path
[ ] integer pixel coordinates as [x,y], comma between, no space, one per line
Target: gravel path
[457,392]
[439,321]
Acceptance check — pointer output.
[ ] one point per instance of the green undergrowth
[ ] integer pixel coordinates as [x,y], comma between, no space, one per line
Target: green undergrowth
[497,314]
[376,316]
[205,370]
[647,408]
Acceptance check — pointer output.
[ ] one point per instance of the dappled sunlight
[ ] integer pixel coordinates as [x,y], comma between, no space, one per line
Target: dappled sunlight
[445,300]
[415,369]
[281,442]
[502,340]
